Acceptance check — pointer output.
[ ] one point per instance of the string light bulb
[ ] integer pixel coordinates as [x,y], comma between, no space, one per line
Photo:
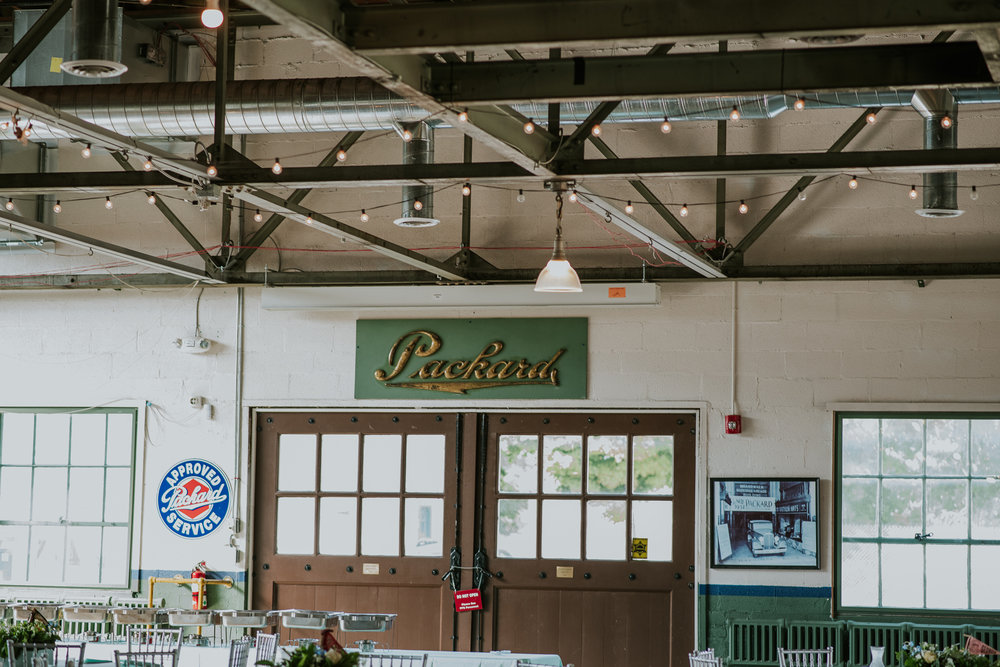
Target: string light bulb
[212,170]
[799,105]
[309,219]
[946,122]
[364,216]
[629,208]
[151,199]
[463,116]
[871,118]
[5,125]
[145,2]
[148,165]
[596,130]
[108,204]
[341,155]
[744,209]
[521,198]
[466,190]
[573,197]
[973,194]
[407,136]
[913,192]
[276,167]
[529,126]
[665,126]
[802,194]
[9,205]
[418,205]
[734,114]
[86,152]
[853,183]
[27,131]
[257,217]
[57,207]
[684,210]
[211,16]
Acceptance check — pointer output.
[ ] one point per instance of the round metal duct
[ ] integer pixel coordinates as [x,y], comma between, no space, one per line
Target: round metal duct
[97,40]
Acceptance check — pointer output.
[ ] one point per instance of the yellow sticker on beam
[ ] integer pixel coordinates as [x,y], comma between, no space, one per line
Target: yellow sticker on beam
[639,545]
[54,64]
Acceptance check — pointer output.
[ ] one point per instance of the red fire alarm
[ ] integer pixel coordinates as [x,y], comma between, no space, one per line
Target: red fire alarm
[734,424]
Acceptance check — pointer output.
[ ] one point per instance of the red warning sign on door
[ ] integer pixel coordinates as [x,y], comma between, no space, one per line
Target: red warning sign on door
[468,600]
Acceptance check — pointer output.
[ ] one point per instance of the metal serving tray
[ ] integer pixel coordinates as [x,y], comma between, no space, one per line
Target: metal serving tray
[22,610]
[366,622]
[307,619]
[86,613]
[245,618]
[191,617]
[136,615]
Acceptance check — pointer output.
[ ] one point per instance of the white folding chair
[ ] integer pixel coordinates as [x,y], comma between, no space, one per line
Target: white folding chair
[239,651]
[145,658]
[704,659]
[153,639]
[267,647]
[29,655]
[817,657]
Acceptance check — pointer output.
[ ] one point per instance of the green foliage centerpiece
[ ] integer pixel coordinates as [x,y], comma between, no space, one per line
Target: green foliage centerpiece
[310,655]
[923,654]
[35,631]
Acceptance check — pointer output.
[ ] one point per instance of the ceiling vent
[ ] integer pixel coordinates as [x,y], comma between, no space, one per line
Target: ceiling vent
[97,40]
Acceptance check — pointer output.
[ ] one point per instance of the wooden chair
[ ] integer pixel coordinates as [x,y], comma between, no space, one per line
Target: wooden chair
[239,651]
[267,647]
[146,658]
[45,655]
[704,659]
[818,657]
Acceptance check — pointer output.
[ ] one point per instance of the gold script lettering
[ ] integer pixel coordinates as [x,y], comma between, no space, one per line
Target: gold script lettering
[413,345]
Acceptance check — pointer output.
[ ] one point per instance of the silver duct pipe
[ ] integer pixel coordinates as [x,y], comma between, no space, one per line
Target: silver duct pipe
[97,40]
[940,188]
[418,200]
[338,105]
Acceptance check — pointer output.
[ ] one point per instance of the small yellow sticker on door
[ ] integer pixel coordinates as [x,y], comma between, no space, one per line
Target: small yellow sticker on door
[564,572]
[369,568]
[639,548]
[54,64]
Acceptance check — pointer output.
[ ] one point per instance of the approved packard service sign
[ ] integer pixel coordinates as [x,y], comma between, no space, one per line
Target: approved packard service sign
[193,498]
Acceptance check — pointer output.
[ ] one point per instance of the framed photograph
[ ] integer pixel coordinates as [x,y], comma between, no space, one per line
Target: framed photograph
[763,522]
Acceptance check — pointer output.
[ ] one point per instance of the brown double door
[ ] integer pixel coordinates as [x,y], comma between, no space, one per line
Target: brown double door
[578,529]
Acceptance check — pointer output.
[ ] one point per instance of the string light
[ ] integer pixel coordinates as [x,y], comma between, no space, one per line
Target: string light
[596,130]
[529,126]
[973,195]
[108,204]
[5,125]
[148,165]
[309,219]
[744,209]
[151,199]
[145,2]
[802,194]
[257,217]
[364,216]
[573,196]
[407,136]
[463,116]
[27,131]
[913,192]
[57,207]
[946,122]
[418,205]
[86,151]
[871,118]
[9,205]
[800,104]
[212,170]
[853,183]
[665,126]
[341,155]
[684,210]
[466,190]
[521,197]
[211,16]
[734,114]
[276,167]
[629,208]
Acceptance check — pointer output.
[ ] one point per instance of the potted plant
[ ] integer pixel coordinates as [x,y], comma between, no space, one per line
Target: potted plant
[34,631]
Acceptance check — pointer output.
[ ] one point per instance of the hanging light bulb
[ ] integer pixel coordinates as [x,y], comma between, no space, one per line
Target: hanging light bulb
[86,151]
[148,165]
[629,208]
[407,136]
[521,197]
[27,131]
[108,204]
[573,196]
[466,190]
[257,217]
[9,205]
[364,216]
[558,275]
[744,209]
[212,170]
[973,195]
[418,205]
[913,192]
[341,155]
[276,167]
[529,126]
[802,194]
[684,210]
[665,126]
[57,207]
[5,125]
[596,130]
[800,104]
[463,116]
[734,114]
[946,122]
[853,183]
[871,118]
[145,2]
[211,16]
[309,219]
[151,199]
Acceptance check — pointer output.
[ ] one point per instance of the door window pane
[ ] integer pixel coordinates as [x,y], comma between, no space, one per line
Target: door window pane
[606,529]
[653,464]
[340,463]
[654,520]
[903,575]
[902,446]
[606,464]
[860,446]
[423,527]
[859,508]
[52,441]
[518,463]
[859,575]
[18,444]
[87,438]
[562,464]
[949,588]
[48,495]
[902,501]
[947,508]
[296,526]
[382,466]
[561,529]
[380,525]
[338,526]
[297,462]
[425,463]
[86,489]
[516,528]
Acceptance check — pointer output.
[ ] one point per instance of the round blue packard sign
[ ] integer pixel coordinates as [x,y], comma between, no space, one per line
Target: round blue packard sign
[193,498]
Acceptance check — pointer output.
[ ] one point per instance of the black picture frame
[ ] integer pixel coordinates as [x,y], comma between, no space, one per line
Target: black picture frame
[790,538]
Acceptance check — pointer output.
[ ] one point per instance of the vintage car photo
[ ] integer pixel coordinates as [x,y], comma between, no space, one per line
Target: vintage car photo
[762,540]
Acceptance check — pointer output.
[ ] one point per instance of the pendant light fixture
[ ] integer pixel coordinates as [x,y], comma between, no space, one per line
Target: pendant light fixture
[558,275]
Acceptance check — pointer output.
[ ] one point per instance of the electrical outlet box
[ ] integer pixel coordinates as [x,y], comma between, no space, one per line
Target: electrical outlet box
[734,424]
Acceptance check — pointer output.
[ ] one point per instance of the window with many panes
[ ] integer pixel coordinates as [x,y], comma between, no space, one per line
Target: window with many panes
[589,494]
[66,484]
[919,511]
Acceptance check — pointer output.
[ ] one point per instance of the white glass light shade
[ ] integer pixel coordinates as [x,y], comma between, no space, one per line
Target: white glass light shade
[558,275]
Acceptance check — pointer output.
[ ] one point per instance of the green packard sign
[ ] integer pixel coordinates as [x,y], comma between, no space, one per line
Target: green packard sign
[487,358]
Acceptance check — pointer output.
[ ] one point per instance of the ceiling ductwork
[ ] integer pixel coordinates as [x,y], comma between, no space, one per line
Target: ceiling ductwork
[418,200]
[353,104]
[940,113]
[97,40]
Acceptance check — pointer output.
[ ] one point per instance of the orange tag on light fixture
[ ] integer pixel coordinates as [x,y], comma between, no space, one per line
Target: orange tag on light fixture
[616,292]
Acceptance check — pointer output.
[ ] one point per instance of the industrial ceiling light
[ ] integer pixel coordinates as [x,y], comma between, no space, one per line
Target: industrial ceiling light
[211,16]
[558,275]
